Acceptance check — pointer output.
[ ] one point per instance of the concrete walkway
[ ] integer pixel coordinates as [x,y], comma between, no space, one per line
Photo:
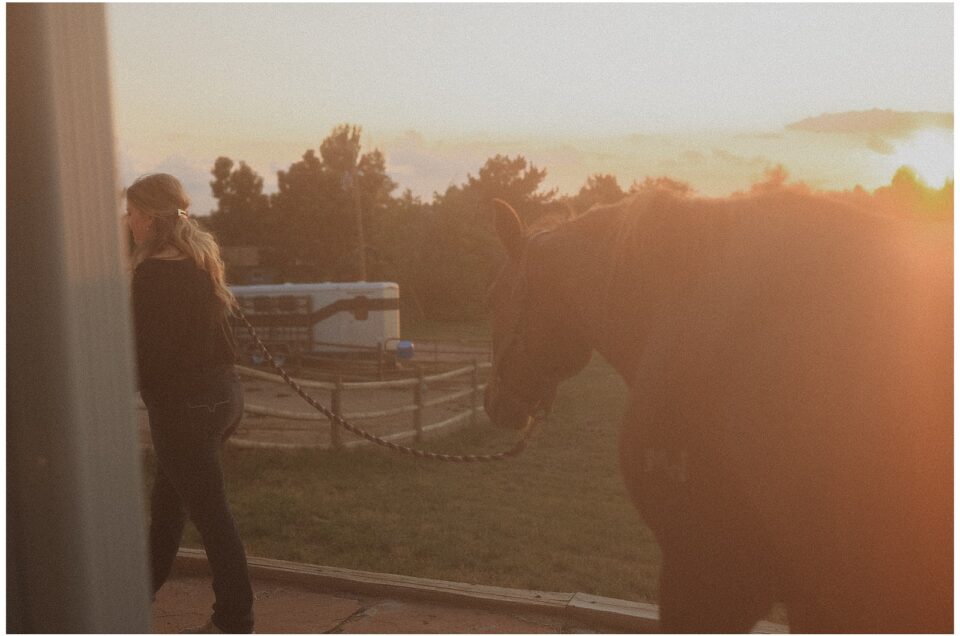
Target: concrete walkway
[308,599]
[292,609]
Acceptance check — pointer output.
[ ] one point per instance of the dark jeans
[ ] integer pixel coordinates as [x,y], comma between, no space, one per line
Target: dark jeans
[188,431]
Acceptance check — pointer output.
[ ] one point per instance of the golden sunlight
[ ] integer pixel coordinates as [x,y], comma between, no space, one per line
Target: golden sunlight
[929,153]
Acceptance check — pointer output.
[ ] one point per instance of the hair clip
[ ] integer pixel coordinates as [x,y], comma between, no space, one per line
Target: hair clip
[182,213]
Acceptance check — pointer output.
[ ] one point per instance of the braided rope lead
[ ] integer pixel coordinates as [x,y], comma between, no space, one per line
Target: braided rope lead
[517,448]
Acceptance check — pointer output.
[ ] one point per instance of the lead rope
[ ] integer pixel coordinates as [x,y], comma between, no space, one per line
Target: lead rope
[517,448]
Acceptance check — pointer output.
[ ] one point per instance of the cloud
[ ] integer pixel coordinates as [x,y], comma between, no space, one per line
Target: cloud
[760,135]
[718,172]
[880,145]
[431,166]
[878,130]
[426,167]
[738,161]
[875,124]
[693,157]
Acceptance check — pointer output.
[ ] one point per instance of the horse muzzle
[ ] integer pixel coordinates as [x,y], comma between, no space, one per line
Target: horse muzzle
[507,409]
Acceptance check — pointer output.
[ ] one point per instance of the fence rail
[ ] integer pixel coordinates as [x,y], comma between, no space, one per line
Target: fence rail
[417,387]
[393,437]
[353,360]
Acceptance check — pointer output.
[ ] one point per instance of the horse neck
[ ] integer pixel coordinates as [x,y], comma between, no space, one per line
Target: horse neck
[586,261]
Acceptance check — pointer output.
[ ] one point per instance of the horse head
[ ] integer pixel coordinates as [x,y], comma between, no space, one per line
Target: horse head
[537,340]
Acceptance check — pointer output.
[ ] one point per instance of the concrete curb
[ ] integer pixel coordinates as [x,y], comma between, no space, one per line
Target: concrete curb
[599,611]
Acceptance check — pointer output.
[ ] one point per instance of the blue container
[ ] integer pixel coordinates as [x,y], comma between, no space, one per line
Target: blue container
[404,350]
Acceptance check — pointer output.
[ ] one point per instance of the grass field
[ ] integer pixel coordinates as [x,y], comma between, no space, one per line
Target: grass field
[557,518]
[439,330]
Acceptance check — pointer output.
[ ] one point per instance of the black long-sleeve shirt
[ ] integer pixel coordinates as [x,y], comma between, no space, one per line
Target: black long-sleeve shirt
[181,331]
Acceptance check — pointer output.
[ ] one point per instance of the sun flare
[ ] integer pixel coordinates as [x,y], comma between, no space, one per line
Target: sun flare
[929,153]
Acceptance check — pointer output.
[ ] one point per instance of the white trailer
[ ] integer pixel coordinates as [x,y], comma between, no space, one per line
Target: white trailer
[320,318]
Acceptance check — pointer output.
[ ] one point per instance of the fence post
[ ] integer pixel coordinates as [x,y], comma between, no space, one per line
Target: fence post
[418,402]
[337,404]
[475,379]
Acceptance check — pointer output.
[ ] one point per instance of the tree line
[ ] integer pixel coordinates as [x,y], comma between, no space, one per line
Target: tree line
[337,216]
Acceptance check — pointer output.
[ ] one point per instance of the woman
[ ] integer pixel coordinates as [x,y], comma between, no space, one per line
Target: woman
[194,399]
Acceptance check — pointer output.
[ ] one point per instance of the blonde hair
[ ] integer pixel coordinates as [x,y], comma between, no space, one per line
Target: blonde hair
[162,198]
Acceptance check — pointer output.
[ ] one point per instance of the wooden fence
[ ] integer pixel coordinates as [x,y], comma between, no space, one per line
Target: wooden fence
[469,376]
[361,361]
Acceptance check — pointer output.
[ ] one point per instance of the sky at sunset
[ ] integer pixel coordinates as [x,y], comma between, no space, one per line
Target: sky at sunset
[712,94]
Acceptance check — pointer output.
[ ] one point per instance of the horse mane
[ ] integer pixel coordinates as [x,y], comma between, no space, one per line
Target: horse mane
[558,213]
[663,220]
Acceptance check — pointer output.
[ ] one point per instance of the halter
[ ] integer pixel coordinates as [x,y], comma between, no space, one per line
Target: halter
[506,392]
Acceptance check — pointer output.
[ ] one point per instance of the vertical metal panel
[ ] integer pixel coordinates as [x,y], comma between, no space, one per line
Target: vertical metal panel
[75,512]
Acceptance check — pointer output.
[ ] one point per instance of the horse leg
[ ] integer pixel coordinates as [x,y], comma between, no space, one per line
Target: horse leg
[709,597]
[717,574]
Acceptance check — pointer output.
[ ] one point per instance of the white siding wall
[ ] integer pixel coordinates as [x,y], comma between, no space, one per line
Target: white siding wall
[75,515]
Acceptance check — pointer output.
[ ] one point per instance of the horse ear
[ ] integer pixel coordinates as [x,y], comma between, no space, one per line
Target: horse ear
[509,228]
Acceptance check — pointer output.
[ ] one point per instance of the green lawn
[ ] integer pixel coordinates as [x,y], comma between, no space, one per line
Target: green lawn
[557,518]
[439,330]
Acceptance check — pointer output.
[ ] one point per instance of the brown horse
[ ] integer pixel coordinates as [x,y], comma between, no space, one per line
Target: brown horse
[789,429]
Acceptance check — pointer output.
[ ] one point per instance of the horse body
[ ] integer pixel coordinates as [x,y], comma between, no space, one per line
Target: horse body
[788,435]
